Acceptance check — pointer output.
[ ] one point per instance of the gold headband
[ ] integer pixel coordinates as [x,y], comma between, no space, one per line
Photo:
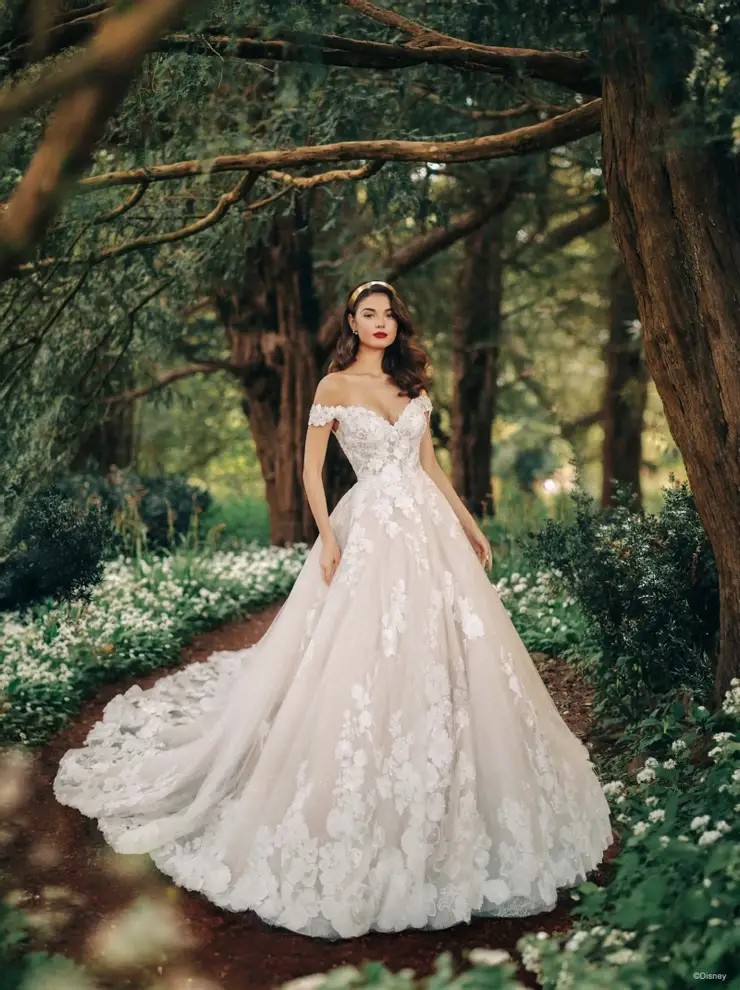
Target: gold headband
[364,285]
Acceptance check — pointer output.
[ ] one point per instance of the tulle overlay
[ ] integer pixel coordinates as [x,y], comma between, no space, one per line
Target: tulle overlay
[385,757]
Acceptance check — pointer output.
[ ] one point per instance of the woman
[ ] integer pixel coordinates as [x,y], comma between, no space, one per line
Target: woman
[386,756]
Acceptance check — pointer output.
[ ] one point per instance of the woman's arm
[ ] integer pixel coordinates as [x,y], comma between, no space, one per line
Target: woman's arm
[431,465]
[475,534]
[314,454]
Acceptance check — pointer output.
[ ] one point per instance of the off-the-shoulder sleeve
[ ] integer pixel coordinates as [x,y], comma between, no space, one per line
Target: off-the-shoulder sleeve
[320,415]
[425,403]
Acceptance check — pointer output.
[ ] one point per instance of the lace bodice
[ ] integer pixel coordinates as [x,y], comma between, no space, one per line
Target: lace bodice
[375,447]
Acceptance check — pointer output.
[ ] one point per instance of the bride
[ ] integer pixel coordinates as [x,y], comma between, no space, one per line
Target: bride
[386,756]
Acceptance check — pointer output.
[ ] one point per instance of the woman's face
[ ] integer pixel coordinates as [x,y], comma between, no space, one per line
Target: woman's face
[374,321]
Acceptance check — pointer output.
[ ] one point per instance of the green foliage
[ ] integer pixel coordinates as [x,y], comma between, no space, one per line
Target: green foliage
[670,908]
[647,585]
[57,548]
[24,970]
[235,521]
[482,975]
[546,620]
[72,328]
[148,512]
[137,619]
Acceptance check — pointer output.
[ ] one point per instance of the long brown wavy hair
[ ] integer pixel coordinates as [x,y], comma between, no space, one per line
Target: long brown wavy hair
[404,360]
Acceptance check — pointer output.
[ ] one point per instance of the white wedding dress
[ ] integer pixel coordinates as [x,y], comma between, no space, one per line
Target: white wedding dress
[385,757]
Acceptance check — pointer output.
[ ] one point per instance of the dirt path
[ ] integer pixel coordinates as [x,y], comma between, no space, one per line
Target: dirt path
[106,910]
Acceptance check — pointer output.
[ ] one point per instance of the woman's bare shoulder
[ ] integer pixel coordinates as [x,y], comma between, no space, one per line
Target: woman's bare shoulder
[330,390]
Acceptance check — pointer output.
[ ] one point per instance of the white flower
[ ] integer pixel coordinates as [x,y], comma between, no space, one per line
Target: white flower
[701,821]
[488,957]
[645,776]
[678,745]
[575,940]
[669,765]
[640,828]
[657,815]
[612,787]
[622,956]
[311,982]
[708,837]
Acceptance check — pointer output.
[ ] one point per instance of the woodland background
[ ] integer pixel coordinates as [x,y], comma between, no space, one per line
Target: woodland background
[187,193]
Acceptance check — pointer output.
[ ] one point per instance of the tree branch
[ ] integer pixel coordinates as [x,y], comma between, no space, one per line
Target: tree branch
[112,60]
[219,211]
[527,140]
[543,242]
[586,221]
[423,247]
[168,377]
[572,70]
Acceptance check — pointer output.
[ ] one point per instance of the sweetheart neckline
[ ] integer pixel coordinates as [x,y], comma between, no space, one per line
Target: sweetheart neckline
[381,417]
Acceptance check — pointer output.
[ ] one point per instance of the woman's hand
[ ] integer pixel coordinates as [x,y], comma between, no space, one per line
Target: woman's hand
[480,544]
[329,559]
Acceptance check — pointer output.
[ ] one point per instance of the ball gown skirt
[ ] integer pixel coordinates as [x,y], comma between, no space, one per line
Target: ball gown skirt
[386,757]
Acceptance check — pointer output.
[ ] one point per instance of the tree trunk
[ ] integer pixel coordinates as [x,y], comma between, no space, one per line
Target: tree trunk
[476,343]
[271,325]
[676,216]
[111,441]
[625,392]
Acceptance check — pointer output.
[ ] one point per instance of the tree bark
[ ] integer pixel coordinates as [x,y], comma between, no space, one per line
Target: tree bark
[676,217]
[625,392]
[476,344]
[271,324]
[111,441]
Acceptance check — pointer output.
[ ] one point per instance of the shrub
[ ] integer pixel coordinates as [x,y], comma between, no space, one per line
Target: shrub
[647,585]
[235,520]
[57,548]
[148,512]
[490,969]
[668,917]
[21,969]
[137,619]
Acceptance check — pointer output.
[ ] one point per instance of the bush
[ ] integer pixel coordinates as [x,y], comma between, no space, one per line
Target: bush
[235,520]
[21,969]
[647,585]
[148,512]
[57,548]
[489,969]
[137,619]
[668,917]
